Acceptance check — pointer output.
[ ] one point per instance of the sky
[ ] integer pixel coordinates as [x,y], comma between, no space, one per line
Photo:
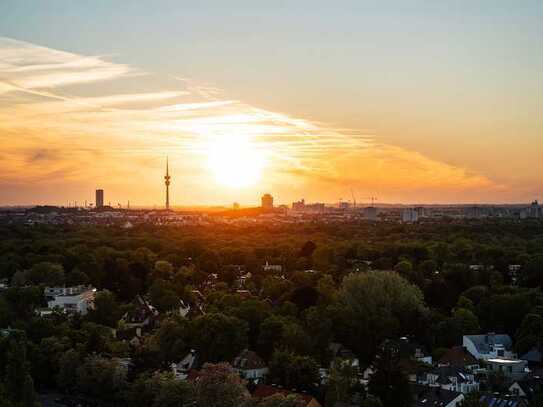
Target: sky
[407,101]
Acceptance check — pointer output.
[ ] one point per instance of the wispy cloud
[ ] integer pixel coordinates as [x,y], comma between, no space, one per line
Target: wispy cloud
[53,130]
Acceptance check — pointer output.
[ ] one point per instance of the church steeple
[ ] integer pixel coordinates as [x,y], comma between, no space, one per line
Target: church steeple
[167,183]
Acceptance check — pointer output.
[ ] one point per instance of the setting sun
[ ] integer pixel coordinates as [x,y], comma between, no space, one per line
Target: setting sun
[235,161]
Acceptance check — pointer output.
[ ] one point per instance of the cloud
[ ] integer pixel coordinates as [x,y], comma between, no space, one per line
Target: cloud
[91,135]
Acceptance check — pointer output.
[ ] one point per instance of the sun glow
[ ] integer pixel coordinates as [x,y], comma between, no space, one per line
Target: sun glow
[235,161]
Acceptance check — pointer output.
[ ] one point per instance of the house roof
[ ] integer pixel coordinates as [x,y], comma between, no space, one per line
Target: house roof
[248,360]
[533,356]
[484,342]
[263,390]
[425,396]
[492,401]
[444,374]
[457,356]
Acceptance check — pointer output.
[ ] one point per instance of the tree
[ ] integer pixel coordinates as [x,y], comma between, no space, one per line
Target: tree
[163,270]
[163,296]
[219,337]
[101,377]
[473,400]
[294,371]
[382,305]
[47,273]
[106,309]
[388,382]
[17,368]
[220,386]
[68,364]
[29,395]
[342,382]
[174,393]
[173,339]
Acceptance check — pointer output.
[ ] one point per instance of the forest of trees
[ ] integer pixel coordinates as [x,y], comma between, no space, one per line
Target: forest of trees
[357,284]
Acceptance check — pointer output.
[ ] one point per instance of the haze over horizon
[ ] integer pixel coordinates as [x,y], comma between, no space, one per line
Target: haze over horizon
[412,104]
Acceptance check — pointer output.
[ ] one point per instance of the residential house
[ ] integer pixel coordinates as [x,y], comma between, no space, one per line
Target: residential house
[514,369]
[425,396]
[526,388]
[250,366]
[272,268]
[142,317]
[449,378]
[460,358]
[76,299]
[182,368]
[488,346]
[338,351]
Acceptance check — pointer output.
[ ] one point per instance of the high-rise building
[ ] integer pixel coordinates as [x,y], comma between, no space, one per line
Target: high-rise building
[267,201]
[99,198]
[410,215]
[167,183]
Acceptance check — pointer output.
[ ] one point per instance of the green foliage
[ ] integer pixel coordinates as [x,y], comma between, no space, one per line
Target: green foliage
[219,386]
[382,305]
[294,371]
[106,309]
[219,337]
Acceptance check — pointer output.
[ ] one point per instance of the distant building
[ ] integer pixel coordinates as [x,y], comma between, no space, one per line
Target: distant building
[298,206]
[77,299]
[370,213]
[410,215]
[99,198]
[489,346]
[267,201]
[535,210]
[274,268]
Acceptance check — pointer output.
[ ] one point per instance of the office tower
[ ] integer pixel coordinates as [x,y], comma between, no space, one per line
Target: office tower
[99,198]
[267,201]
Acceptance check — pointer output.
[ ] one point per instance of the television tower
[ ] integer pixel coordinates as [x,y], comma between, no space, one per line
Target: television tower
[167,183]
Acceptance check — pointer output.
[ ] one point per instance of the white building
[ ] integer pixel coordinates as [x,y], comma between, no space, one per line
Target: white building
[515,369]
[450,378]
[489,346]
[78,299]
[182,368]
[250,366]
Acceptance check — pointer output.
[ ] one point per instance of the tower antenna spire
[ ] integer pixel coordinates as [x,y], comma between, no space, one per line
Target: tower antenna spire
[167,183]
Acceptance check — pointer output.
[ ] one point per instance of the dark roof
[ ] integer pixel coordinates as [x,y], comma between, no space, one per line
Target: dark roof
[533,356]
[457,356]
[425,396]
[492,401]
[444,372]
[248,360]
[483,342]
[263,390]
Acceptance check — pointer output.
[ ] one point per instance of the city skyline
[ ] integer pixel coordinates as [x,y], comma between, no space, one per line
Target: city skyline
[422,106]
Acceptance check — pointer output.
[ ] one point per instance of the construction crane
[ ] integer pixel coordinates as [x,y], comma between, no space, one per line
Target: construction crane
[372,198]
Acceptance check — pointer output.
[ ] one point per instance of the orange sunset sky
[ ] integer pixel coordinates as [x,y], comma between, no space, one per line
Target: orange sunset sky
[412,104]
